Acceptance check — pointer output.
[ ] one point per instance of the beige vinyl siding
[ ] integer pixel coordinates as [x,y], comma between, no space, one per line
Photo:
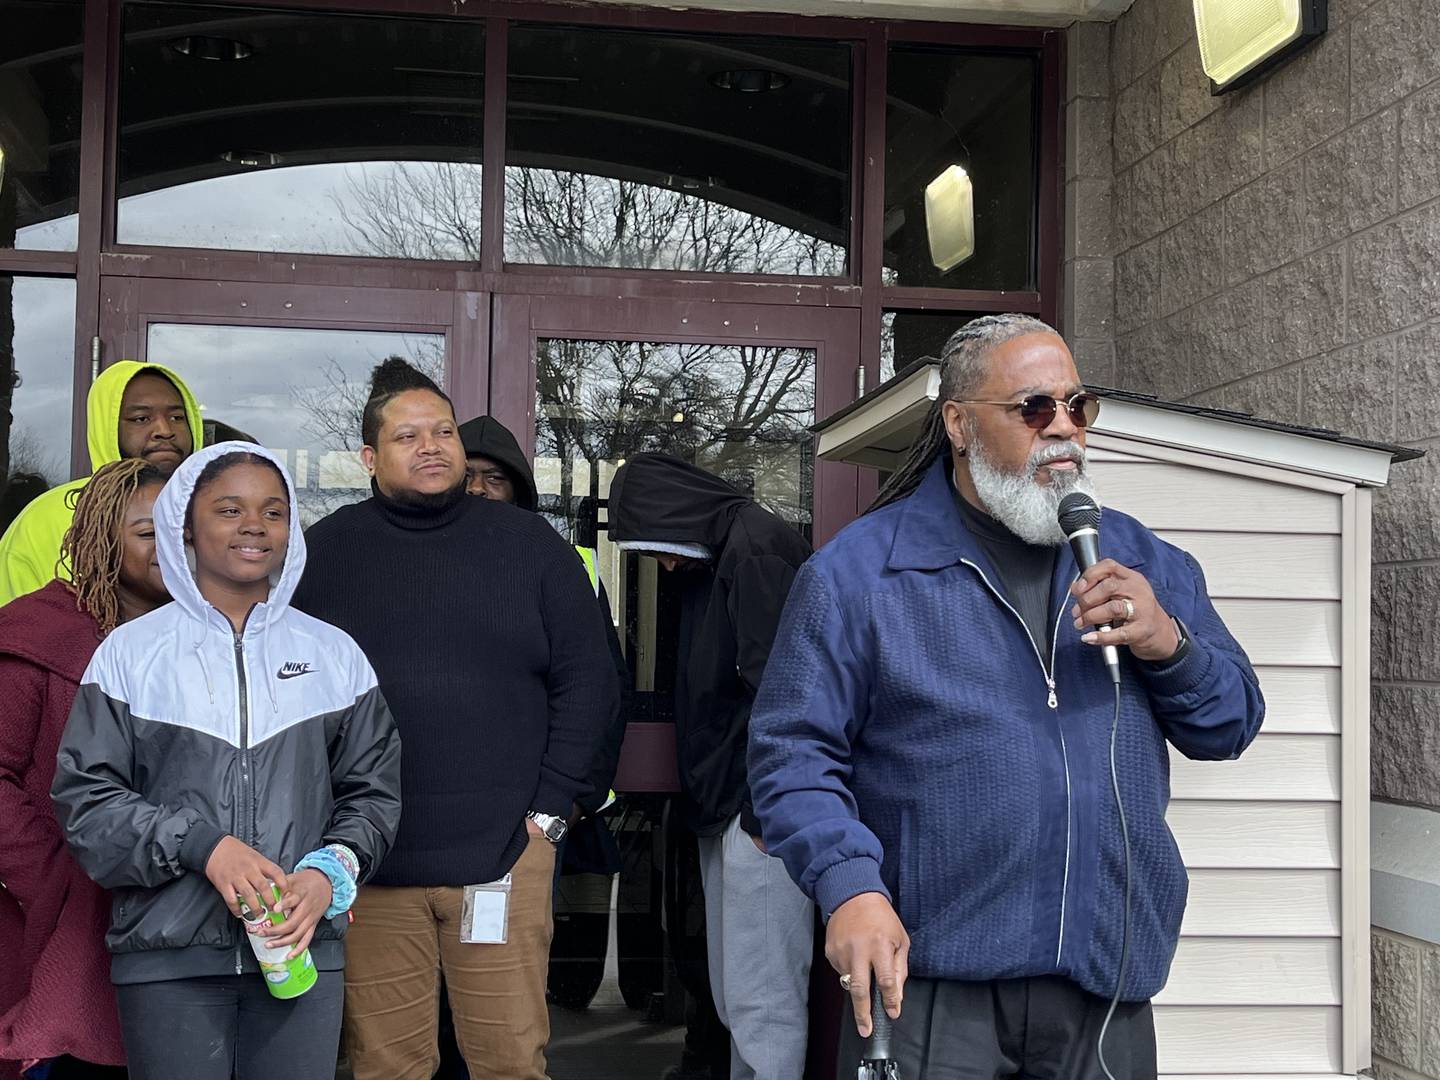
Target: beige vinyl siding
[1254,971]
[1270,902]
[1201,501]
[1259,982]
[1255,835]
[1245,563]
[1301,700]
[1246,1040]
[1275,768]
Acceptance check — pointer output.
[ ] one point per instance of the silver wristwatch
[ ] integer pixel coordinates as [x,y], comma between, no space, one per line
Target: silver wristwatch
[551,827]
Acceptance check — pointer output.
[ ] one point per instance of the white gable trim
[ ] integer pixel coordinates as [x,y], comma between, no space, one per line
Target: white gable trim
[878,434]
[1242,442]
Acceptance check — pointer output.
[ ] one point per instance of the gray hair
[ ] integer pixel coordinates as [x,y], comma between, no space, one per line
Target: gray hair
[963,367]
[964,361]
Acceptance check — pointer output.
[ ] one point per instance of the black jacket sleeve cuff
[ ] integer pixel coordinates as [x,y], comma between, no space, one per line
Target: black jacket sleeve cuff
[200,842]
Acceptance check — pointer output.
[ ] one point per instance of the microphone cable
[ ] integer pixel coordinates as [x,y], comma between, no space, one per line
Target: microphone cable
[1125,921]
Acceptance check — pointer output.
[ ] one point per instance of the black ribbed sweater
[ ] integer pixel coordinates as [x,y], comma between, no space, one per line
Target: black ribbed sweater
[490,650]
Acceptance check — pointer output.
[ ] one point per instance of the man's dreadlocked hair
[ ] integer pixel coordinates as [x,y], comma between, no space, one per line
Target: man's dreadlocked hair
[94,544]
[391,377]
[963,367]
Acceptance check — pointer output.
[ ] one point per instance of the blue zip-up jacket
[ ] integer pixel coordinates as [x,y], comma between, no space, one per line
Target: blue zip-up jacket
[911,739]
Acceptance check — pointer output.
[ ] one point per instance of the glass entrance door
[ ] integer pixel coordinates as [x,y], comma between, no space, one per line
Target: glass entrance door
[289,367]
[732,388]
[585,385]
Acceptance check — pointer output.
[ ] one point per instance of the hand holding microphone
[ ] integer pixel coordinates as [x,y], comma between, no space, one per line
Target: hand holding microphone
[1115,599]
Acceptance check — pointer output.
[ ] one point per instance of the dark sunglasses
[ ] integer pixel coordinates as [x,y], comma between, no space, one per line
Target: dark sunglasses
[1038,410]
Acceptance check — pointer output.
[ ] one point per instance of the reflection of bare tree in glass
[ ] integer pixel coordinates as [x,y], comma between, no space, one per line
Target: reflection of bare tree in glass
[334,407]
[414,210]
[739,411]
[30,455]
[431,210]
[575,219]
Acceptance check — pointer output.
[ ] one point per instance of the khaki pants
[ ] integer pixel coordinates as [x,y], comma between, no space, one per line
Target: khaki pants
[401,940]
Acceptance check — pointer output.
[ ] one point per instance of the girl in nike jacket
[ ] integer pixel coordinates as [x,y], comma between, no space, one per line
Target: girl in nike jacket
[216,745]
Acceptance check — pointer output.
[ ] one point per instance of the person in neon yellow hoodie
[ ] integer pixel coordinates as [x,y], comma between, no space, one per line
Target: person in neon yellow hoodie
[133,410]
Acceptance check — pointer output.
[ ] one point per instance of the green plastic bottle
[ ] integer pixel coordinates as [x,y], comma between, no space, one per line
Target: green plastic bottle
[284,978]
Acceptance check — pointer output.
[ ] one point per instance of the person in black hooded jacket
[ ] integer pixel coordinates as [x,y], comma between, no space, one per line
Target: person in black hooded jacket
[496,468]
[736,562]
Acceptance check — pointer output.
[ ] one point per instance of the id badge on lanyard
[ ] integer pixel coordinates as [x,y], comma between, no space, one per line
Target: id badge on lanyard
[485,913]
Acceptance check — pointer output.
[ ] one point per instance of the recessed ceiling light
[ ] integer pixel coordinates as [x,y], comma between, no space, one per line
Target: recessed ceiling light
[251,159]
[202,47]
[750,80]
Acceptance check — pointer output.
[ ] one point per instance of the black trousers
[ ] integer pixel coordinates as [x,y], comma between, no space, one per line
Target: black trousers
[225,1026]
[1025,1029]
[69,1068]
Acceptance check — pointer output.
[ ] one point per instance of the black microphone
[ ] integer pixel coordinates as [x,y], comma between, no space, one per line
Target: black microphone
[1080,520]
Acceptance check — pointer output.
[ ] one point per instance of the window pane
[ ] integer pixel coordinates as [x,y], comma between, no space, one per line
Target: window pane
[741,411]
[907,336]
[37,344]
[276,147]
[977,111]
[671,152]
[40,123]
[298,392]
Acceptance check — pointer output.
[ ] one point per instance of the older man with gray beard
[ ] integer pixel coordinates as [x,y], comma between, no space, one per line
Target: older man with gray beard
[930,751]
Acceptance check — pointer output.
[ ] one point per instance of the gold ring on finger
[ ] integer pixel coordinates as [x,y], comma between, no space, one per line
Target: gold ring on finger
[1129,608]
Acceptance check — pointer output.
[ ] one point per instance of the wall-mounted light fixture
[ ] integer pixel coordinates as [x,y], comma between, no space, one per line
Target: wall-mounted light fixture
[950,218]
[1240,40]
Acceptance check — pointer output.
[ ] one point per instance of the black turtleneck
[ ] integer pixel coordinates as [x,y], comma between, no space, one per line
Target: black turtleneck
[1025,571]
[482,627]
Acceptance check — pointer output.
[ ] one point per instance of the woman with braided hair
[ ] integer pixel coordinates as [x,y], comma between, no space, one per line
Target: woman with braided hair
[60,1008]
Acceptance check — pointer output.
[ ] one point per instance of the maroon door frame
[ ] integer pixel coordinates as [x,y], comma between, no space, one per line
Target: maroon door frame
[129,305]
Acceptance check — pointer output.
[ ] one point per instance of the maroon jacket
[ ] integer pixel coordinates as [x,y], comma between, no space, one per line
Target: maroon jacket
[55,992]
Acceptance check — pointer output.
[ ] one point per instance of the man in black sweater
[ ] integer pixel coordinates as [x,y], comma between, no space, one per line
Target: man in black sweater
[490,648]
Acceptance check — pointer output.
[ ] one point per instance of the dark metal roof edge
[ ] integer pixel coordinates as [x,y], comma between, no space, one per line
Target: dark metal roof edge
[1397,453]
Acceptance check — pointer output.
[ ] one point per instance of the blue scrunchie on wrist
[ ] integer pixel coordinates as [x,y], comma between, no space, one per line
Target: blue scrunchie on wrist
[335,862]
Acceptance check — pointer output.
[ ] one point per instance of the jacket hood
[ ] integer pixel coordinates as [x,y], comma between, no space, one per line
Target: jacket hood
[489,438]
[656,497]
[46,628]
[174,556]
[102,409]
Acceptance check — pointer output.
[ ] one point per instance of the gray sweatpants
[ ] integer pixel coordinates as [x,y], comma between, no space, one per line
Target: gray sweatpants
[761,933]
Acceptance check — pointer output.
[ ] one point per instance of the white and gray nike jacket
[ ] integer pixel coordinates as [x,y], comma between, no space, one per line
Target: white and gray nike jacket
[184,731]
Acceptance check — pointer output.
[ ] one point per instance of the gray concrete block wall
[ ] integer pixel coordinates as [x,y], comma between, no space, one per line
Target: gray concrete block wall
[1087,315]
[1277,250]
